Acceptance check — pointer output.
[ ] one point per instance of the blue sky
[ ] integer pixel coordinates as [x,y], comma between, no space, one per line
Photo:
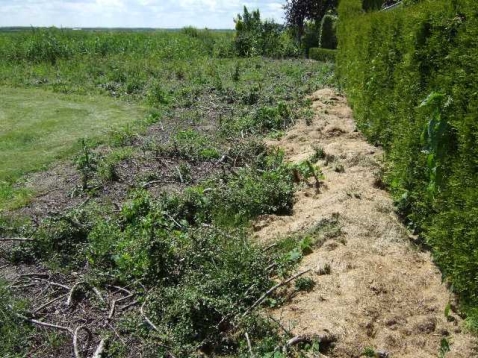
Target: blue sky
[213,14]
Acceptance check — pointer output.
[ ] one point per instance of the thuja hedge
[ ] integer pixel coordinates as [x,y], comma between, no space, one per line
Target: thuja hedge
[411,75]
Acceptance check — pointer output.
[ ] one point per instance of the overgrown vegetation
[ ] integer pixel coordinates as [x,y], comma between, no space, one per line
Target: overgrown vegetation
[411,77]
[149,70]
[262,37]
[183,252]
[197,276]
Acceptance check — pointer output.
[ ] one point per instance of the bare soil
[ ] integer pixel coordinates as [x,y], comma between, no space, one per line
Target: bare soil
[383,292]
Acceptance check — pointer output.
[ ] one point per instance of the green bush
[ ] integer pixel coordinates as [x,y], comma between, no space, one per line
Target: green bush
[371,5]
[200,279]
[322,54]
[311,36]
[411,76]
[255,37]
[328,32]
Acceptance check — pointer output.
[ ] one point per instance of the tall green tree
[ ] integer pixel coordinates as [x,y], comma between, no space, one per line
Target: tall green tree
[298,11]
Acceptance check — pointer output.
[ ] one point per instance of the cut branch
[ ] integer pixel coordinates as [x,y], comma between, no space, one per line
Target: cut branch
[45,324]
[21,239]
[48,303]
[280,284]
[69,301]
[147,319]
[99,350]
[76,349]
[320,338]
[249,345]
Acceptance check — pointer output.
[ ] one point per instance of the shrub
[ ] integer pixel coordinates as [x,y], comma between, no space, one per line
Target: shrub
[311,36]
[255,37]
[322,54]
[14,332]
[371,5]
[328,32]
[254,192]
[411,76]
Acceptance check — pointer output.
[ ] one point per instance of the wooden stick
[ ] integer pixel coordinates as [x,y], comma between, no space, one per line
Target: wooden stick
[98,293]
[267,248]
[286,331]
[48,303]
[117,334]
[72,291]
[76,350]
[321,338]
[35,274]
[57,284]
[280,284]
[124,298]
[174,221]
[119,288]
[99,350]
[129,305]
[21,239]
[45,324]
[113,304]
[147,319]
[180,175]
[249,345]
[112,309]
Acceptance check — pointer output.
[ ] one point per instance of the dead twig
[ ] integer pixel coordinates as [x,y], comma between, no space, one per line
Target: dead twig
[76,349]
[267,248]
[174,221]
[45,324]
[146,317]
[271,266]
[57,284]
[320,338]
[153,182]
[48,303]
[112,309]
[35,274]
[99,350]
[280,284]
[122,289]
[286,331]
[117,334]
[72,292]
[180,175]
[113,305]
[249,345]
[21,239]
[134,303]
[23,286]
[98,293]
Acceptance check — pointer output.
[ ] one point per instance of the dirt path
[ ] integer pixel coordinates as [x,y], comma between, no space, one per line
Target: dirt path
[382,292]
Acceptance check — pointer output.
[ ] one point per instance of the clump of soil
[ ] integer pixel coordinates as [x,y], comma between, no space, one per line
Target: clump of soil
[374,288]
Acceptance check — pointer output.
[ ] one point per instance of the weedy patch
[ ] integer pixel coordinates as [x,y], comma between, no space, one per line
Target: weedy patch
[157,243]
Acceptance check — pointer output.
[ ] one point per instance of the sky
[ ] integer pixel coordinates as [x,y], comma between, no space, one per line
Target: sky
[213,14]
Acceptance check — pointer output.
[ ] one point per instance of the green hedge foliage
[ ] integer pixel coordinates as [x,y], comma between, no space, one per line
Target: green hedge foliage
[371,5]
[411,75]
[328,32]
[322,54]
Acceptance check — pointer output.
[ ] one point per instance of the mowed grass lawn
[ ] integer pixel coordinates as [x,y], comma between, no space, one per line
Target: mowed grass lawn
[39,127]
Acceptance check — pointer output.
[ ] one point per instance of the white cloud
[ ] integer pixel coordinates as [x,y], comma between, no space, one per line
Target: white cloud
[131,13]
